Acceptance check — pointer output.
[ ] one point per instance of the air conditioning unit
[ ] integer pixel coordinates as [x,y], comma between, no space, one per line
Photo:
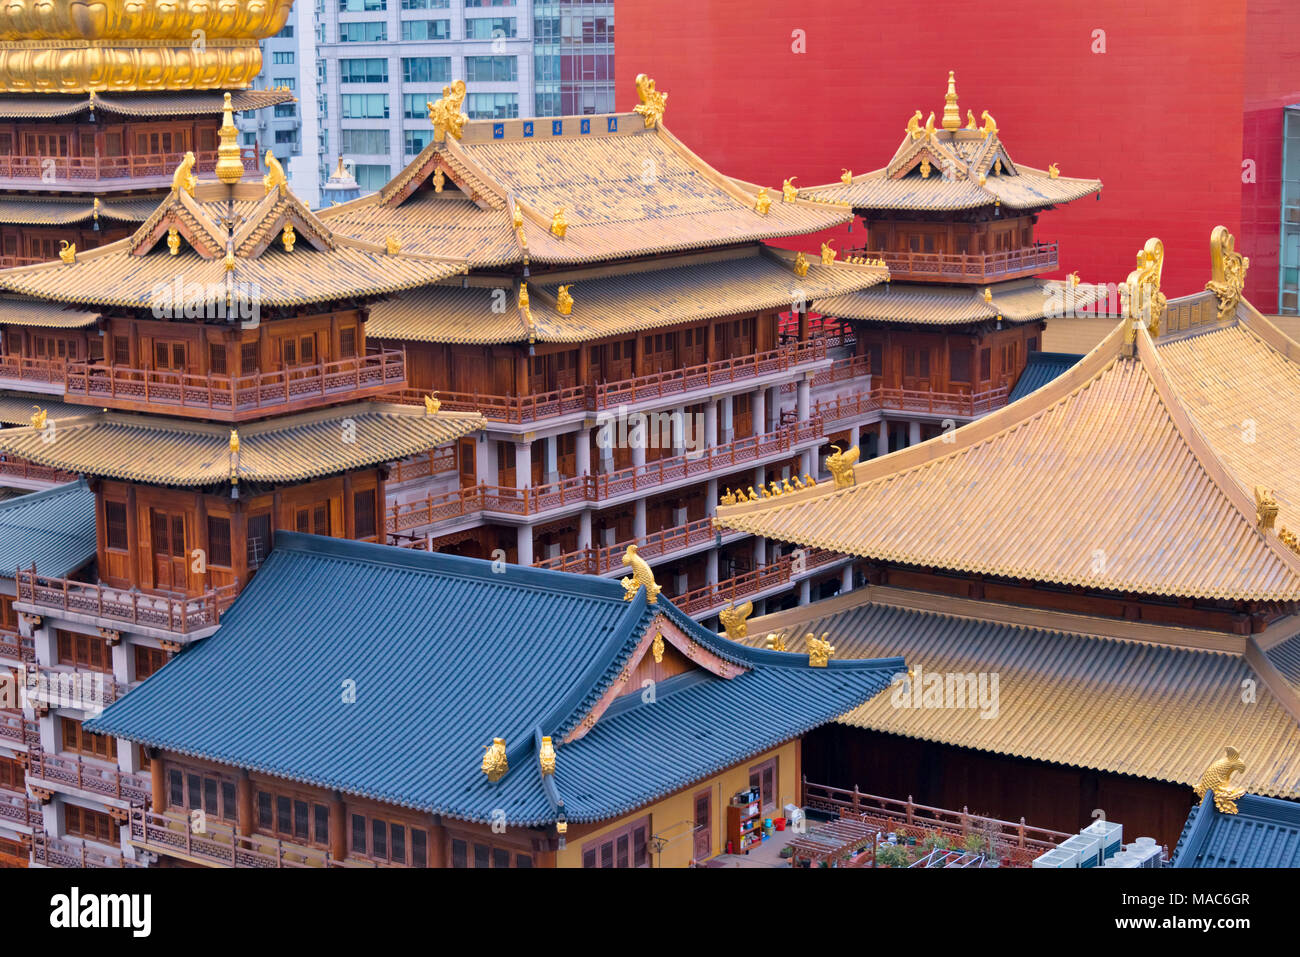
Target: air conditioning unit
[1059,857]
[1088,847]
[1147,852]
[1111,834]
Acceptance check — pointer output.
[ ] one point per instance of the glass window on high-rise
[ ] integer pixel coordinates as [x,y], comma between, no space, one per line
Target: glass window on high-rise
[573,57]
[362,6]
[370,176]
[1288,286]
[491,69]
[415,106]
[364,106]
[363,31]
[366,70]
[416,140]
[426,29]
[492,106]
[490,28]
[366,142]
[426,69]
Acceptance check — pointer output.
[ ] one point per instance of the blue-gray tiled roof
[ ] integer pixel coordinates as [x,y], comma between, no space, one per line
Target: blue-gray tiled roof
[445,655]
[55,529]
[1040,369]
[1265,832]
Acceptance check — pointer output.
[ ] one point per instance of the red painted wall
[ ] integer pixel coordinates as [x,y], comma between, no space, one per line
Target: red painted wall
[1159,116]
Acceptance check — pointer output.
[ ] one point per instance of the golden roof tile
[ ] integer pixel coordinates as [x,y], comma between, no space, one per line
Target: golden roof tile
[51,315]
[1101,479]
[179,103]
[294,448]
[60,210]
[1068,693]
[1019,300]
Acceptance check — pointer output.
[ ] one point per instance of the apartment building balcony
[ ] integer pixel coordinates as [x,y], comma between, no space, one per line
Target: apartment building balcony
[235,398]
[710,599]
[221,846]
[79,173]
[18,811]
[965,267]
[668,543]
[60,772]
[95,603]
[603,487]
[72,852]
[670,384]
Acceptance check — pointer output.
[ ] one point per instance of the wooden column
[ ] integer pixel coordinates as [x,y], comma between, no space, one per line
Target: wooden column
[244,803]
[439,846]
[349,518]
[158,777]
[338,828]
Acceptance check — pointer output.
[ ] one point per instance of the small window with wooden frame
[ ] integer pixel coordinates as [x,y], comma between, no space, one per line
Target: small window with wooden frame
[215,794]
[89,825]
[83,651]
[627,846]
[388,841]
[470,853]
[764,778]
[148,660]
[80,741]
[115,526]
[292,817]
[219,541]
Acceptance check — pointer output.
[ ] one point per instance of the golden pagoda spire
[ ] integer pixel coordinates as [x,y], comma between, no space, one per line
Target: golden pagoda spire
[951,115]
[230,167]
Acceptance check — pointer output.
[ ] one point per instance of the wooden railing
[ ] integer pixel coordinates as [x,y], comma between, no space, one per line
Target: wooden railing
[434,462]
[29,471]
[85,168]
[878,398]
[233,396]
[79,689]
[606,558]
[180,615]
[1019,842]
[701,601]
[62,852]
[607,395]
[219,844]
[32,369]
[1039,257]
[19,809]
[532,500]
[17,648]
[74,772]
[15,729]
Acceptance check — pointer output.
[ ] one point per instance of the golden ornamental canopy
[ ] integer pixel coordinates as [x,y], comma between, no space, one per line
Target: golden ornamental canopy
[143,19]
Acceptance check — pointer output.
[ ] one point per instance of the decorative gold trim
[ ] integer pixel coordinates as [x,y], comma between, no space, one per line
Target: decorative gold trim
[81,66]
[653,103]
[642,575]
[820,650]
[274,177]
[951,114]
[733,620]
[563,300]
[546,756]
[143,19]
[1228,271]
[1144,299]
[495,764]
[230,164]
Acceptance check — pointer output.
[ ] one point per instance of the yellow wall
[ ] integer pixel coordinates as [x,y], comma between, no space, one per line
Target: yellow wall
[679,807]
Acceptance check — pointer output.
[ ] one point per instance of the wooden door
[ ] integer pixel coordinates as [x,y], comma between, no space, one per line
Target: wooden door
[703,826]
[763,777]
[468,463]
[168,535]
[169,355]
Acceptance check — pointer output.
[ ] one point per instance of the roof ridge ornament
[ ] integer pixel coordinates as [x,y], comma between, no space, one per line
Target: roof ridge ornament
[495,764]
[820,650]
[1265,508]
[641,575]
[230,165]
[1141,290]
[840,462]
[733,620]
[564,300]
[184,178]
[1228,271]
[274,174]
[914,126]
[653,103]
[445,114]
[951,114]
[1218,779]
[990,125]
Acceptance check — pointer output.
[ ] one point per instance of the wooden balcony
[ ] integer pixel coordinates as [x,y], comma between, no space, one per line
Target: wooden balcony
[610,395]
[19,809]
[15,647]
[24,369]
[73,688]
[608,558]
[220,846]
[178,615]
[957,267]
[82,172]
[880,399]
[236,398]
[1016,842]
[705,600]
[15,730]
[71,852]
[534,500]
[434,462]
[73,772]
[29,473]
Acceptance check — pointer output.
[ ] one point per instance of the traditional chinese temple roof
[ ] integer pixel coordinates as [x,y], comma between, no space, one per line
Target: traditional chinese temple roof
[1040,369]
[465,655]
[61,210]
[1020,300]
[52,315]
[231,237]
[48,106]
[16,408]
[950,168]
[291,448]
[615,300]
[1264,832]
[55,529]
[1124,697]
[1041,488]
[626,185]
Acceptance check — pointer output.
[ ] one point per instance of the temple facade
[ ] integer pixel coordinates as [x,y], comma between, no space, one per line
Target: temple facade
[1095,587]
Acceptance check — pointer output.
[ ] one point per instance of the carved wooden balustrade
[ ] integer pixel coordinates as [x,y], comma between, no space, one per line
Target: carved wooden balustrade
[17,730]
[610,395]
[434,462]
[17,648]
[17,468]
[95,168]
[180,615]
[973,267]
[1016,842]
[606,558]
[70,852]
[76,773]
[236,397]
[880,399]
[709,598]
[19,809]
[221,845]
[30,369]
[532,500]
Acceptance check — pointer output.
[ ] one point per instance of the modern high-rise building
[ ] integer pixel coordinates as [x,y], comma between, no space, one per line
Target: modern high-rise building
[380,62]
